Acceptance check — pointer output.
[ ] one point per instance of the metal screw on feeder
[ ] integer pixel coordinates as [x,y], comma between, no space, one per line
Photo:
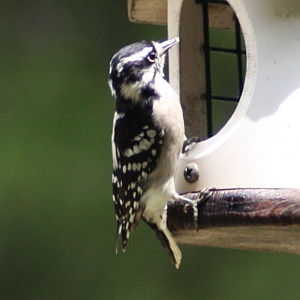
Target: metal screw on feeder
[191,172]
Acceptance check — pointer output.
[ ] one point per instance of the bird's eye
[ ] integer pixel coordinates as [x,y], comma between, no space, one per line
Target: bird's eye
[151,57]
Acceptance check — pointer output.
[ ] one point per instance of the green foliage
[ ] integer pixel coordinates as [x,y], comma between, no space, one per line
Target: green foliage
[57,224]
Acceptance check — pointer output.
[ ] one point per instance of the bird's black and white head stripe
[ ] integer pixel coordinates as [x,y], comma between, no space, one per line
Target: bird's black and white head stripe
[137,139]
[135,66]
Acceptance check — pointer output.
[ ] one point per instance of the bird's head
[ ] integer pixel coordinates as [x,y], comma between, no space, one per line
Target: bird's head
[135,67]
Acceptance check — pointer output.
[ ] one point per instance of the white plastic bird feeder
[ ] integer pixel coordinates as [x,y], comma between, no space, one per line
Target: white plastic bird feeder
[259,147]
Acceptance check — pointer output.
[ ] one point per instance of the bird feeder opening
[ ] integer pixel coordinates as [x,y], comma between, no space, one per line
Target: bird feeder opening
[212,65]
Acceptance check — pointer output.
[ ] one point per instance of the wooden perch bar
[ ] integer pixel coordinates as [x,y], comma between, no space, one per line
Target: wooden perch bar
[253,219]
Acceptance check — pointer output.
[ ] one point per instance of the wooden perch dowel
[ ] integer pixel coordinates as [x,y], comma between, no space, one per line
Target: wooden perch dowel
[254,219]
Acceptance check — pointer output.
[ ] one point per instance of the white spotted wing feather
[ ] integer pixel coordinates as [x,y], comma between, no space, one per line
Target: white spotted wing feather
[135,156]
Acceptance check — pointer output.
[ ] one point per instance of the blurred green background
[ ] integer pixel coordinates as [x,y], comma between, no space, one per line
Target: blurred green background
[57,223]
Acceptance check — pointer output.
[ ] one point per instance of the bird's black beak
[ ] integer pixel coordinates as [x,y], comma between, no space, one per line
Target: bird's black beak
[166,45]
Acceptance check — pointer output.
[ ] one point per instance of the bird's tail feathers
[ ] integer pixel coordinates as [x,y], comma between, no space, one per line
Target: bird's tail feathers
[168,242]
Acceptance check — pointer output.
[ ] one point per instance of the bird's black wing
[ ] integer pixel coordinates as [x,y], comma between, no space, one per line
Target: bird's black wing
[135,153]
